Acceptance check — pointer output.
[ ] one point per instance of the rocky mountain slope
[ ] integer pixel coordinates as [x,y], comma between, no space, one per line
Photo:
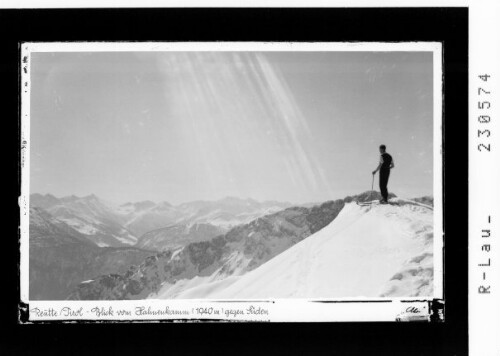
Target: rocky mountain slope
[177,236]
[60,257]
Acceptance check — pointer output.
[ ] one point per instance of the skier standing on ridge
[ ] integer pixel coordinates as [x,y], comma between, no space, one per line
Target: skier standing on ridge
[385,166]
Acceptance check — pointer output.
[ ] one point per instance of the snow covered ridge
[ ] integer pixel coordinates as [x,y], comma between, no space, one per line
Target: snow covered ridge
[367,251]
[205,269]
[240,250]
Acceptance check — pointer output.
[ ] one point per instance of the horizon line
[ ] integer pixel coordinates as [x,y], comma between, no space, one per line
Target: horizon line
[216,200]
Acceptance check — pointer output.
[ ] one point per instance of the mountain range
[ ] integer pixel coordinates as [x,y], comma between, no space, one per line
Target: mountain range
[107,224]
[202,249]
[76,238]
[240,250]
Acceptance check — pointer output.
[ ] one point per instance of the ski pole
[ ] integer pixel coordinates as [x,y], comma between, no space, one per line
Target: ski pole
[373,178]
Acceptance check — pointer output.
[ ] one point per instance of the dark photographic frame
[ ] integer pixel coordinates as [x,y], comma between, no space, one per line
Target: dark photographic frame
[446,25]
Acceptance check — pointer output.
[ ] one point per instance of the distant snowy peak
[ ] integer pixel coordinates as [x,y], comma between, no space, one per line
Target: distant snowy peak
[228,212]
[224,213]
[165,226]
[177,236]
[129,208]
[163,206]
[43,201]
[90,216]
[46,229]
[109,225]
[230,205]
[141,204]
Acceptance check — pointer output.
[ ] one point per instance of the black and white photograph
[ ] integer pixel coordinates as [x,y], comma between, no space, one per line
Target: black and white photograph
[256,178]
[234,172]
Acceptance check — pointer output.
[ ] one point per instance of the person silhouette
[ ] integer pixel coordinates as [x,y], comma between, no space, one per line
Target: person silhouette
[385,165]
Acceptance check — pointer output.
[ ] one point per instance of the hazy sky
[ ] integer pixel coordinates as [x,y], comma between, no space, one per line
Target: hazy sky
[179,126]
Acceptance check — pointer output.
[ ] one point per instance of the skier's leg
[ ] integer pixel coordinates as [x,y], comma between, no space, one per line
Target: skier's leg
[381,184]
[386,183]
[384,177]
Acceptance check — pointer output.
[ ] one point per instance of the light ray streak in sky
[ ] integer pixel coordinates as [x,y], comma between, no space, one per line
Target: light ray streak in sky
[218,105]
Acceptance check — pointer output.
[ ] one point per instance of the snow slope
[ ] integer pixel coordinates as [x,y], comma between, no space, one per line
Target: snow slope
[367,251]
